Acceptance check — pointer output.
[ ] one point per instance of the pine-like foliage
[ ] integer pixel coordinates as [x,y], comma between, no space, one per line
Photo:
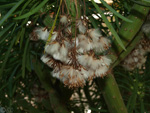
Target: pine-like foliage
[63,56]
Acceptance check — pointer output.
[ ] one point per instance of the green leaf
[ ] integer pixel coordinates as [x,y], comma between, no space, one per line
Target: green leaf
[115,12]
[109,25]
[21,38]
[24,58]
[5,6]
[10,12]
[142,3]
[146,1]
[6,29]
[10,81]
[73,10]
[25,5]
[32,11]
[48,21]
[28,59]
[7,56]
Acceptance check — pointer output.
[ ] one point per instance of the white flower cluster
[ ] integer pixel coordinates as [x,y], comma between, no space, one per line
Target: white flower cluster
[137,57]
[73,59]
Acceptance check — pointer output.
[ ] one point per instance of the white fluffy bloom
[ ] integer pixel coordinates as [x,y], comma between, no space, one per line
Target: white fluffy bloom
[93,63]
[71,77]
[101,45]
[94,34]
[98,47]
[54,35]
[57,56]
[52,48]
[45,58]
[42,33]
[105,61]
[64,54]
[84,44]
[63,50]
[83,59]
[63,19]
[84,73]
[100,72]
[105,42]
[55,73]
[82,28]
[91,74]
[88,61]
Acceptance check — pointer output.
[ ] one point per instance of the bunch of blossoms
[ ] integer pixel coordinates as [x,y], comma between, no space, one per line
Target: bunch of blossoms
[137,58]
[74,55]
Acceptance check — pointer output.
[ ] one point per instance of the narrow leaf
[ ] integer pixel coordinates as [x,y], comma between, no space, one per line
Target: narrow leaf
[24,58]
[146,1]
[6,29]
[115,12]
[10,12]
[5,6]
[141,3]
[32,11]
[7,56]
[10,81]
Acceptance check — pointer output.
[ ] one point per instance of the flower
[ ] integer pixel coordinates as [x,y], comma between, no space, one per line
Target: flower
[52,63]
[81,27]
[45,58]
[54,36]
[42,33]
[90,62]
[102,44]
[63,19]
[73,59]
[94,34]
[84,43]
[71,77]
[137,58]
[101,71]
[52,48]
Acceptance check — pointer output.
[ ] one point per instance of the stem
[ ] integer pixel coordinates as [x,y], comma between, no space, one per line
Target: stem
[111,94]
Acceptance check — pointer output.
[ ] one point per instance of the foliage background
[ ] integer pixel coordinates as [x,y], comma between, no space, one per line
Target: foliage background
[26,84]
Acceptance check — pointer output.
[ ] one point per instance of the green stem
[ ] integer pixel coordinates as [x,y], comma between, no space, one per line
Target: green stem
[111,94]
